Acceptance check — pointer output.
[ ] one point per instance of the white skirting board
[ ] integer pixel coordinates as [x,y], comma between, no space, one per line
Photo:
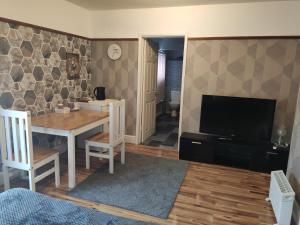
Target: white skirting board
[296,213]
[130,139]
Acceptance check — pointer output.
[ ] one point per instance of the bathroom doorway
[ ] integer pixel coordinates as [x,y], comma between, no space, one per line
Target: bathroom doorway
[163,69]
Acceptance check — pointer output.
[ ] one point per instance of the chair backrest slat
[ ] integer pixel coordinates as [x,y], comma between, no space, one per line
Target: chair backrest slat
[111,123]
[122,117]
[28,135]
[116,122]
[17,146]
[15,138]
[8,138]
[2,139]
[93,107]
[102,106]
[22,140]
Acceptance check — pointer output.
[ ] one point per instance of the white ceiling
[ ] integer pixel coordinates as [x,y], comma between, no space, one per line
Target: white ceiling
[134,4]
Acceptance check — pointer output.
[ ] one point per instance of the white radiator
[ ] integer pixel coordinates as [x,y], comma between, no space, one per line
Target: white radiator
[282,197]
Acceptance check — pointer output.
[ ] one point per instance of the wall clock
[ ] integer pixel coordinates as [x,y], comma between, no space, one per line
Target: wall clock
[73,66]
[114,51]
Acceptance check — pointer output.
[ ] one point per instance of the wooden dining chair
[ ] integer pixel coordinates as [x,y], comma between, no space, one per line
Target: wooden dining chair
[18,152]
[111,140]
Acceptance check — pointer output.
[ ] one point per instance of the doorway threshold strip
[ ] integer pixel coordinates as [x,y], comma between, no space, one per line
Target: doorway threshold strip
[145,184]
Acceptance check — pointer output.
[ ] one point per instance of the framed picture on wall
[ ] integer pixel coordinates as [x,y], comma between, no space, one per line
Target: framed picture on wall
[73,66]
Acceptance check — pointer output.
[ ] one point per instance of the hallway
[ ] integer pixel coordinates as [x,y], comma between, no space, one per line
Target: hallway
[166,134]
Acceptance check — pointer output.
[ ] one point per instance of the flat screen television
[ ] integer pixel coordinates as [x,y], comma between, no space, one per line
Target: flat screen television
[237,117]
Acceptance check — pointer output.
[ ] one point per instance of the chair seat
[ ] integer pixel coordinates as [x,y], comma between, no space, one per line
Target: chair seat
[40,154]
[100,137]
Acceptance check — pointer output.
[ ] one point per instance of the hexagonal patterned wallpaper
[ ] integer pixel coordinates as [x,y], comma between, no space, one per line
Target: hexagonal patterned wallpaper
[119,77]
[262,68]
[33,68]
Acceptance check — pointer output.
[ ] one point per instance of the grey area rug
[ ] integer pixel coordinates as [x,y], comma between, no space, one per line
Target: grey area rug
[145,184]
[23,207]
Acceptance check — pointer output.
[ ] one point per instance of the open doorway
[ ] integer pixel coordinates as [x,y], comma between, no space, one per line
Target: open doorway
[161,91]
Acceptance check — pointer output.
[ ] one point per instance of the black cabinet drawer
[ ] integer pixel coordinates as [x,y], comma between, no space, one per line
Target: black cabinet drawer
[257,156]
[236,151]
[195,150]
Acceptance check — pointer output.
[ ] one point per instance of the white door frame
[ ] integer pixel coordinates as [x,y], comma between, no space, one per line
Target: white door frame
[141,75]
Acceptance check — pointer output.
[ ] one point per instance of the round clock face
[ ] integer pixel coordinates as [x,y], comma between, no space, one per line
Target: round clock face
[114,51]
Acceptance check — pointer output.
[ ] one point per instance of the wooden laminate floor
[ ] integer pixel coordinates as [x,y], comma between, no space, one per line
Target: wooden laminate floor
[210,194]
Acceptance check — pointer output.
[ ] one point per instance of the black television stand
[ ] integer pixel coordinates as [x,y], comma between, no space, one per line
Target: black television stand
[228,151]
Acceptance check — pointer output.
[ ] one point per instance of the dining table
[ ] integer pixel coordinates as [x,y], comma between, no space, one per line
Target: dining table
[69,125]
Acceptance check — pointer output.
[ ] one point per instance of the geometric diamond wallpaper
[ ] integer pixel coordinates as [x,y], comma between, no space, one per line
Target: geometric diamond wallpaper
[260,68]
[119,76]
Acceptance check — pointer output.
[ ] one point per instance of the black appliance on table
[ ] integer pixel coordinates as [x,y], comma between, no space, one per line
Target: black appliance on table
[99,93]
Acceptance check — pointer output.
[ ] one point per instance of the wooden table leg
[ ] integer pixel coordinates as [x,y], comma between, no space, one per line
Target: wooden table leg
[71,161]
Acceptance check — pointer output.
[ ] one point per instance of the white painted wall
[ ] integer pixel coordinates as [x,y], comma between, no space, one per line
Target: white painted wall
[246,19]
[55,14]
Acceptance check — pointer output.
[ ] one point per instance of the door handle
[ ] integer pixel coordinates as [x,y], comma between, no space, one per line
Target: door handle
[272,153]
[269,154]
[197,142]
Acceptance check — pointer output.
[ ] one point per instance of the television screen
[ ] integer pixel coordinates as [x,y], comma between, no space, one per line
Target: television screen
[244,118]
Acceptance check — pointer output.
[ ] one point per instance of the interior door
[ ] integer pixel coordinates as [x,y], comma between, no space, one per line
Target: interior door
[149,89]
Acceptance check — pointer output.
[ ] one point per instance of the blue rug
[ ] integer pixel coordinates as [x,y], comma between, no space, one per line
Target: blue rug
[145,184]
